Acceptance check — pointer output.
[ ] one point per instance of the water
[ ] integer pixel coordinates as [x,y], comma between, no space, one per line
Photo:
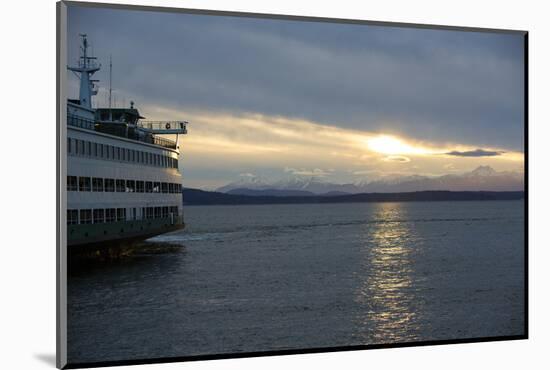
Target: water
[271,277]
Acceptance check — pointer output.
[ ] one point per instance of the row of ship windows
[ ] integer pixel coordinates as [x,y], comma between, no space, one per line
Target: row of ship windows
[99,184]
[100,216]
[109,152]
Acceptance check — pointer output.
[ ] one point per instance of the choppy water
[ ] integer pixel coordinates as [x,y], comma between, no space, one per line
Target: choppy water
[259,278]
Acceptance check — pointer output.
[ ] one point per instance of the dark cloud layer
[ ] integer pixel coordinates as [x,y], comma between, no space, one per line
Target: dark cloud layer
[475,153]
[464,87]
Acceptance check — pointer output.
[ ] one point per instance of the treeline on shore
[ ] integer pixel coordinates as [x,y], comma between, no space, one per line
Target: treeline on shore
[201,197]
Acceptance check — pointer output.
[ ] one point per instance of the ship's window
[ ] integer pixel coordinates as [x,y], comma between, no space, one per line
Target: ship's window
[111,154]
[117,154]
[88,147]
[94,149]
[179,188]
[85,216]
[72,216]
[124,152]
[69,149]
[149,158]
[134,214]
[140,186]
[157,212]
[99,216]
[130,186]
[72,183]
[164,187]
[134,156]
[148,187]
[174,210]
[171,188]
[84,184]
[109,185]
[121,214]
[150,213]
[100,150]
[79,148]
[97,184]
[164,211]
[156,187]
[110,215]
[120,186]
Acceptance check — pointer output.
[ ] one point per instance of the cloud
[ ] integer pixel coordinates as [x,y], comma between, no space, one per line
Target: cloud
[397,158]
[475,153]
[247,174]
[402,81]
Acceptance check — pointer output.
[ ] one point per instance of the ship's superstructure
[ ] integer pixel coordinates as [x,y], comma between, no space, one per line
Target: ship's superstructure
[123,180]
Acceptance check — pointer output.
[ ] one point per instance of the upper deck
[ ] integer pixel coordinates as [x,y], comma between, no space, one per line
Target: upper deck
[124,130]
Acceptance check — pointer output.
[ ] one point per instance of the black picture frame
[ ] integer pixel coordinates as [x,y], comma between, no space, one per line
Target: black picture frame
[61,251]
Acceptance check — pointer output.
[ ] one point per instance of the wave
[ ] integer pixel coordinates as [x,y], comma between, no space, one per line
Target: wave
[244,231]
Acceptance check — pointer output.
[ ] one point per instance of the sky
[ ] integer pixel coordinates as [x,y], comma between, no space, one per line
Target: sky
[338,102]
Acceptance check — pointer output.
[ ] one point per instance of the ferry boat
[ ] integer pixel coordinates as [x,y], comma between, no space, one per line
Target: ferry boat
[123,179]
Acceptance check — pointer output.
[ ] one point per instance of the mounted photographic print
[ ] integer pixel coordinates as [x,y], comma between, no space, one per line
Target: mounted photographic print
[234,184]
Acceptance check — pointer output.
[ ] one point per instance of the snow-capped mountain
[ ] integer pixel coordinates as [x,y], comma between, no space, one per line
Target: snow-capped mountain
[306,184]
[482,178]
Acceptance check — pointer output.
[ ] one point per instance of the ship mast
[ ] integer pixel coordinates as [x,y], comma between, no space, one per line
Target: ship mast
[86,67]
[110,86]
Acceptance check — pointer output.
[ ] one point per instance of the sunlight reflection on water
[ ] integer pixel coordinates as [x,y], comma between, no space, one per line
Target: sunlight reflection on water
[388,291]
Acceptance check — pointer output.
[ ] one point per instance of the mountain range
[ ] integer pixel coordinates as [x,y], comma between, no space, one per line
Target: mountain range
[483,178]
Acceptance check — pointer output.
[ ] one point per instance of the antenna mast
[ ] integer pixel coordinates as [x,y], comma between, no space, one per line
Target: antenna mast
[110,86]
[110,78]
[86,67]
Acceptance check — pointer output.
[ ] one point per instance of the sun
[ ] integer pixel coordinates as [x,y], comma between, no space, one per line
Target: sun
[391,145]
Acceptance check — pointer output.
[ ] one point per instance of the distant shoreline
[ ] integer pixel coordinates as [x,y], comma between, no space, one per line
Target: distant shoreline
[201,197]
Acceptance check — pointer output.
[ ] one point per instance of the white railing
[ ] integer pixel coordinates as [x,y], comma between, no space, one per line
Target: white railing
[168,127]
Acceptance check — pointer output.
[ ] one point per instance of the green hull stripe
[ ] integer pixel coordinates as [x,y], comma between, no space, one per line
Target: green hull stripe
[94,233]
